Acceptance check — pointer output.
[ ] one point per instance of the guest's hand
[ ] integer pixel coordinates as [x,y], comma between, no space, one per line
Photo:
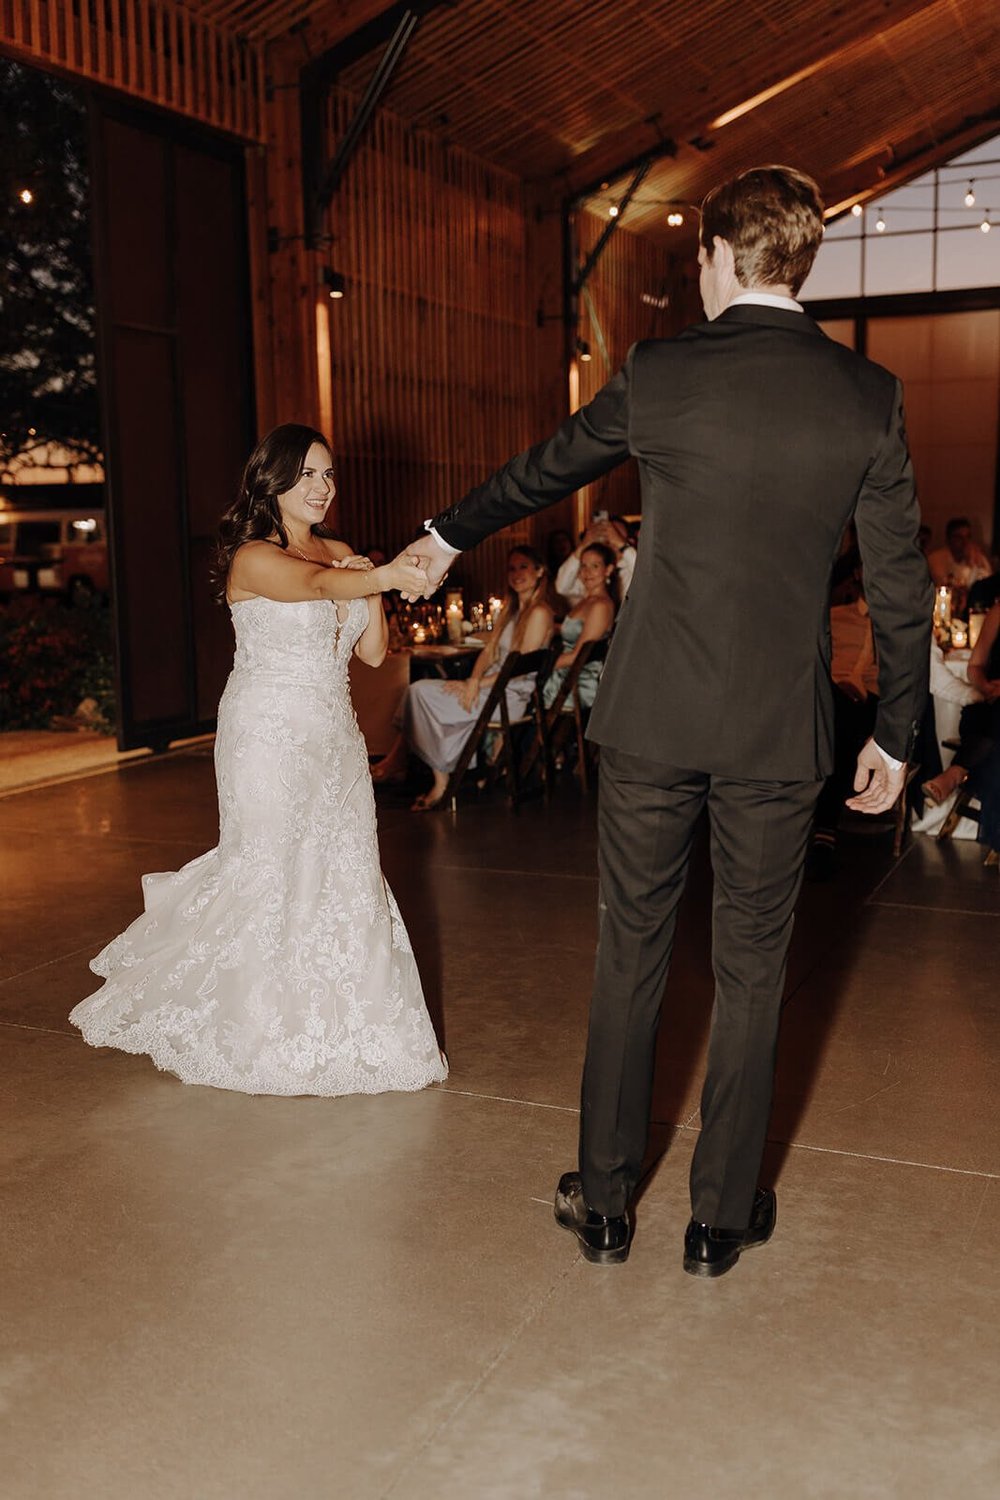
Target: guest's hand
[876,787]
[466,692]
[435,561]
[355,562]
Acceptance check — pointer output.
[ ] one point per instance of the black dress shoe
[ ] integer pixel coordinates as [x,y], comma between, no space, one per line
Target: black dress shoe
[713,1252]
[605,1241]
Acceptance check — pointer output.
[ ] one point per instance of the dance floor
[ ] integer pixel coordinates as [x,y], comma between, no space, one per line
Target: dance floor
[207,1296]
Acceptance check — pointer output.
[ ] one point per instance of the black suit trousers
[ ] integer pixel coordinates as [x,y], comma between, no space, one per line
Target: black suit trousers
[759,834]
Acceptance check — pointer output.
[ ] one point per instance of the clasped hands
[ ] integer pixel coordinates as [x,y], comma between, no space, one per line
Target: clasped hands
[416,572]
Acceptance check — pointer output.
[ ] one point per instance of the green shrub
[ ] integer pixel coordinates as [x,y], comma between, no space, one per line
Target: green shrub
[51,658]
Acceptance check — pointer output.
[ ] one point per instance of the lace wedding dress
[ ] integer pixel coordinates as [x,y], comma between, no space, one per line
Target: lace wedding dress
[277,963]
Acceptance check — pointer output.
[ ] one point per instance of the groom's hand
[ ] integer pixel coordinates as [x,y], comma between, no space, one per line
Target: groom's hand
[435,560]
[876,786]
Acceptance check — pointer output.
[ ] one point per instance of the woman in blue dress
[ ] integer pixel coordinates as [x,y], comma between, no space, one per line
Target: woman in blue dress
[590,619]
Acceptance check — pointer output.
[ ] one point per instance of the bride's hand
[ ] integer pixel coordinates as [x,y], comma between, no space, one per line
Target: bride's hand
[355,562]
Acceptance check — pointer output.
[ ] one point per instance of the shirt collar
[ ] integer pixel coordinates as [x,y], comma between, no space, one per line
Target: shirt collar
[766,299]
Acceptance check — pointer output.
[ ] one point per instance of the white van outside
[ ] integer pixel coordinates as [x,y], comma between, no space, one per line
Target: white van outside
[54,552]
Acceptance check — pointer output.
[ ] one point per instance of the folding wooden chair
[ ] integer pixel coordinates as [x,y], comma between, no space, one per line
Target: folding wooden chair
[557,718]
[902,812]
[495,716]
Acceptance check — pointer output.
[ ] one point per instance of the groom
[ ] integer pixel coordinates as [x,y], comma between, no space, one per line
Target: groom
[757,440]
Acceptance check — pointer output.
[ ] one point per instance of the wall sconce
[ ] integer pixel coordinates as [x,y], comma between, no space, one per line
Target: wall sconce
[335,284]
[583,351]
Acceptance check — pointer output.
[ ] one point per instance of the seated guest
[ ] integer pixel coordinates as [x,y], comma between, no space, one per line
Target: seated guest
[436,717]
[854,669]
[984,783]
[558,546]
[590,619]
[960,563]
[979,726]
[610,532]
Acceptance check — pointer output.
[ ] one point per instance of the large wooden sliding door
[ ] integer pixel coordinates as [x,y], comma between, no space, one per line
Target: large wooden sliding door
[175,361]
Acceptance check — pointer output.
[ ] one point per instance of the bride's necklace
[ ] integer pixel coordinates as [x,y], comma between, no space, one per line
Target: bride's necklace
[323,562]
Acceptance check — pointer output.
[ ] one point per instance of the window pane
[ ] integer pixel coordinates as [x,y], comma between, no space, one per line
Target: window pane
[836,272]
[847,227]
[967,257]
[898,263]
[909,207]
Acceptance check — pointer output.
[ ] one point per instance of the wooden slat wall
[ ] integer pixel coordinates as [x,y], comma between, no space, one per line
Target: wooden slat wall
[630,267]
[439,368]
[150,49]
[431,349]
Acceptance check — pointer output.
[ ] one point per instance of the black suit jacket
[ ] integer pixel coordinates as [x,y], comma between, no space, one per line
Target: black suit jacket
[757,439]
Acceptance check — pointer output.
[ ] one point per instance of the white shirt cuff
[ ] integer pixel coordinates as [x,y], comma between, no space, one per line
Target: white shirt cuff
[446,546]
[890,760]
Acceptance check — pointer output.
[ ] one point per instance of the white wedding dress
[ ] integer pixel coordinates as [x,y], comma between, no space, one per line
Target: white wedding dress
[277,963]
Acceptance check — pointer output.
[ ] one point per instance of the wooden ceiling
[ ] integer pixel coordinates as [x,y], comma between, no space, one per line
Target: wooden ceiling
[862,93]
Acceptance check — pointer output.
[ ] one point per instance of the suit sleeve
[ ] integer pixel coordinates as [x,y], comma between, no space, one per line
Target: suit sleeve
[897,586]
[587,445]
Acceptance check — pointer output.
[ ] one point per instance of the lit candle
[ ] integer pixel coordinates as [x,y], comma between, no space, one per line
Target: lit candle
[419,635]
[959,634]
[455,623]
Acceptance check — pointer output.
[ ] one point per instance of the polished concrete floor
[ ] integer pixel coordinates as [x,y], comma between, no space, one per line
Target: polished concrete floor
[207,1296]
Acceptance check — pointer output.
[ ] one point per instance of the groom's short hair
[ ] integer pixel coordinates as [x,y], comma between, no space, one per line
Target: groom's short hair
[773,219]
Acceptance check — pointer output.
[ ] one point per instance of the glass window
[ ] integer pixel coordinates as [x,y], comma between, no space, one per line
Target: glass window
[899,263]
[836,271]
[967,257]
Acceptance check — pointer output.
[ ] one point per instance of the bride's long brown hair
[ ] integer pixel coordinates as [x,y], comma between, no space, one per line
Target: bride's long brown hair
[273,468]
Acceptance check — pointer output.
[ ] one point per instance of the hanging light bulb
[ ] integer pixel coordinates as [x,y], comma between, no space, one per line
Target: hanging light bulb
[970,197]
[880,223]
[985,226]
[857,210]
[26,195]
[675,219]
[613,211]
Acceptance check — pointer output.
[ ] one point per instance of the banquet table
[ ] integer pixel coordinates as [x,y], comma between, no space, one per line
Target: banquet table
[378,691]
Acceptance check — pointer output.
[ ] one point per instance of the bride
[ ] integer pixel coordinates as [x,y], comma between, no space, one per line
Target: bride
[278,963]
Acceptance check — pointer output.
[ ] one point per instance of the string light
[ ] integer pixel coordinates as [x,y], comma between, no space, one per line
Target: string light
[880,223]
[613,211]
[675,219]
[970,197]
[857,210]
[985,226]
[26,195]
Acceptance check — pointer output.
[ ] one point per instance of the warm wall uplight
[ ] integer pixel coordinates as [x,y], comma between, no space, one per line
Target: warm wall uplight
[324,367]
[583,350]
[335,284]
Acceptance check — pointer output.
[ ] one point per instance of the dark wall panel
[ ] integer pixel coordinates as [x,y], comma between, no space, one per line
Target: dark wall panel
[175,355]
[151,553]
